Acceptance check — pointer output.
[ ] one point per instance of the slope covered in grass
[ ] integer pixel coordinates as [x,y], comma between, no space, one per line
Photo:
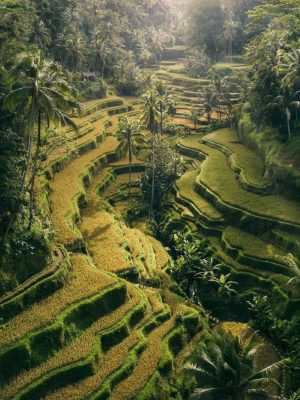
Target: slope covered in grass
[220,179]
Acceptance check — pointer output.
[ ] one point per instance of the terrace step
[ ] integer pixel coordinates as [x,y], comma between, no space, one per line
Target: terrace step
[218,184]
[251,250]
[251,279]
[242,160]
[199,207]
[286,240]
[93,127]
[84,281]
[37,287]
[159,353]
[122,251]
[66,200]
[82,356]
[120,359]
[39,345]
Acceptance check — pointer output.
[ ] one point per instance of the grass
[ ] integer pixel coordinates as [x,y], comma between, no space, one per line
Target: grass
[122,250]
[253,251]
[218,177]
[118,362]
[162,257]
[157,353]
[148,259]
[38,346]
[77,350]
[135,345]
[185,186]
[91,125]
[47,282]
[252,245]
[111,364]
[62,195]
[114,254]
[120,180]
[229,66]
[288,241]
[241,157]
[254,278]
[282,159]
[146,366]
[85,281]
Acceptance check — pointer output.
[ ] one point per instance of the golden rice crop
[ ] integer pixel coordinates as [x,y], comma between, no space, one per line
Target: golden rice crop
[85,281]
[150,260]
[84,122]
[137,250]
[75,351]
[235,328]
[187,351]
[151,356]
[154,299]
[113,361]
[106,242]
[146,365]
[162,256]
[66,185]
[92,103]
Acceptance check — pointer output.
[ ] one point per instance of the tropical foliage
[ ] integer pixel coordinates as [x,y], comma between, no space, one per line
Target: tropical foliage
[226,368]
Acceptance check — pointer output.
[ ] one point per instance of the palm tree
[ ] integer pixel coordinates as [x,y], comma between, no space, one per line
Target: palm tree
[210,102]
[294,267]
[131,132]
[166,101]
[283,104]
[40,93]
[147,81]
[69,50]
[150,117]
[230,30]
[194,117]
[226,369]
[295,395]
[101,53]
[291,67]
[171,102]
[41,35]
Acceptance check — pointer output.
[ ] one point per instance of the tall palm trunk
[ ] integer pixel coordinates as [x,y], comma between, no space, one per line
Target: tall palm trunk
[153,177]
[288,116]
[103,68]
[35,169]
[25,172]
[161,117]
[152,129]
[130,162]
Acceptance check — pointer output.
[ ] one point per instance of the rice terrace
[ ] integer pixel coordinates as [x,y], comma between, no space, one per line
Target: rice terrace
[149,199]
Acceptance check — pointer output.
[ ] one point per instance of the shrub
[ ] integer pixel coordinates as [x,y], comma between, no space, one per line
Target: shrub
[197,63]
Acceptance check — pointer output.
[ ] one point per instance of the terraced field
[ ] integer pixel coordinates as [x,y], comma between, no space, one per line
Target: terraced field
[110,325]
[99,333]
[190,92]
[231,184]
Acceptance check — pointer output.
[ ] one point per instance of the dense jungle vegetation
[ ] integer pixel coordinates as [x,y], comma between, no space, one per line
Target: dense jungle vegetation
[149,199]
